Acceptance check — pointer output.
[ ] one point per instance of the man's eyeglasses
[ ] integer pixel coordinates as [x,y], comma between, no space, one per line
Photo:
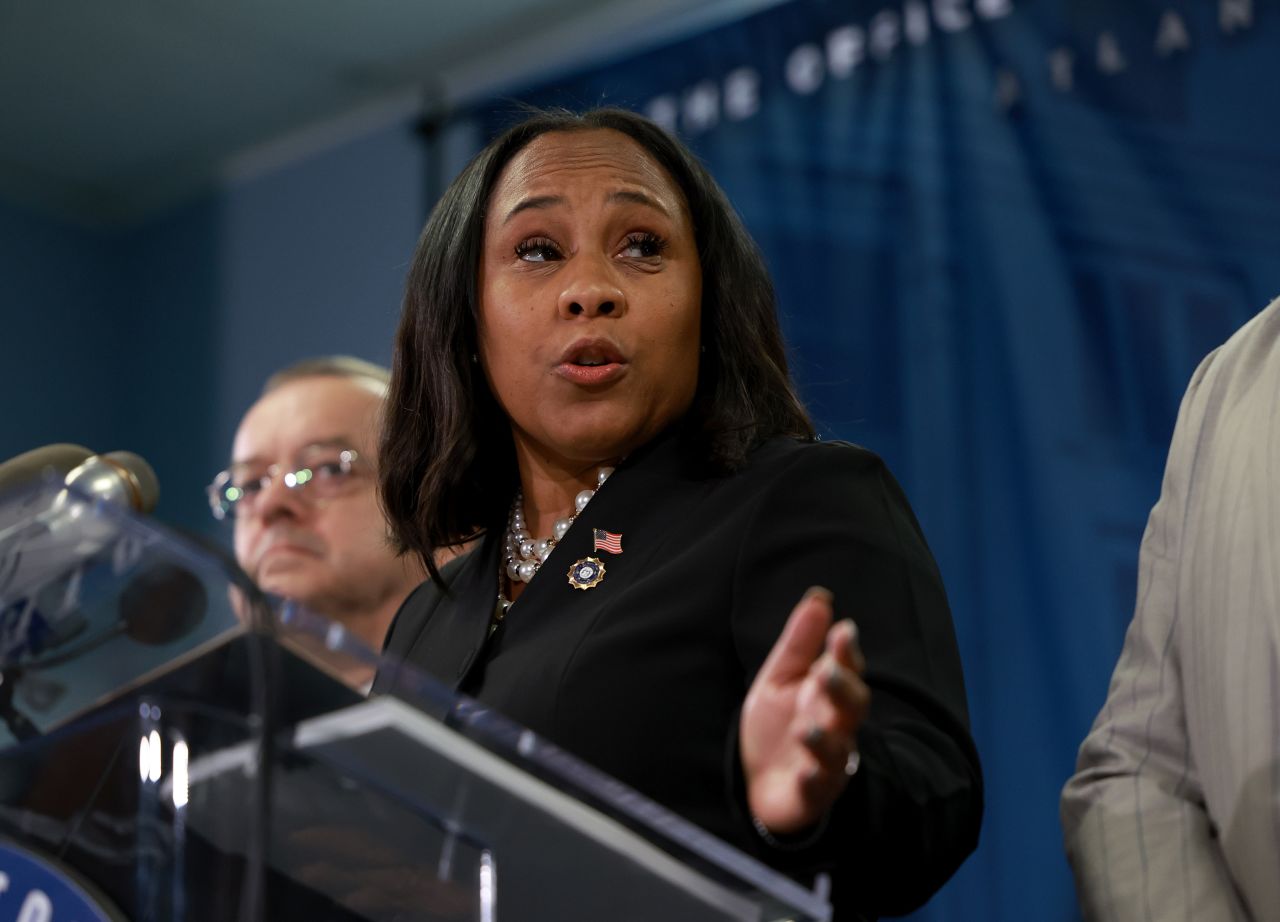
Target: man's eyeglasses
[320,472]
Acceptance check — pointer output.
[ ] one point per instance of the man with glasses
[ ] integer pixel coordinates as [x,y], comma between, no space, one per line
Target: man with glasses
[302,494]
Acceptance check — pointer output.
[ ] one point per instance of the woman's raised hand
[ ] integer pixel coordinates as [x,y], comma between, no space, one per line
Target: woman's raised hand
[800,716]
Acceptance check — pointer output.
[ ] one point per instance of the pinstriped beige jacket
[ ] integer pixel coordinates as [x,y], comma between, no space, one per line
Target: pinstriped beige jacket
[1174,810]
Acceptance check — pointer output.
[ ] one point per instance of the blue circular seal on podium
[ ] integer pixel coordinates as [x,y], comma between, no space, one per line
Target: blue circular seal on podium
[35,889]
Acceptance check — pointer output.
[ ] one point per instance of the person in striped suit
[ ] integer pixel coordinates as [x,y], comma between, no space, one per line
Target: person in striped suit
[1174,810]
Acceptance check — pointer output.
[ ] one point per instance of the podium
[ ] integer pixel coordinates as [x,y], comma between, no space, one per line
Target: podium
[176,746]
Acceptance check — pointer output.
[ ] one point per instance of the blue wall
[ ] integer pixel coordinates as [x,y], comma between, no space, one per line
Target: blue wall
[60,332]
[313,260]
[157,337]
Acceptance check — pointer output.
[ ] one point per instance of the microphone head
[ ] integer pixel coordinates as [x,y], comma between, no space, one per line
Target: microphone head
[143,477]
[161,604]
[119,477]
[31,465]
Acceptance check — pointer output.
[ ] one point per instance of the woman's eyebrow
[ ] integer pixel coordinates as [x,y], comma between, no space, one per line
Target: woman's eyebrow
[537,201]
[636,197]
[630,196]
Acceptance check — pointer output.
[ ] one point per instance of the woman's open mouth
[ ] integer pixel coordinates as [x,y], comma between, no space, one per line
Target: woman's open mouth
[591,362]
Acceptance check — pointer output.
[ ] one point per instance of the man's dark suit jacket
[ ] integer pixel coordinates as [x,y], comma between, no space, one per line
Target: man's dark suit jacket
[643,675]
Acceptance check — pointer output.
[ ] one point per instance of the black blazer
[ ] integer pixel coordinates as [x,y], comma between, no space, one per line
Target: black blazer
[644,674]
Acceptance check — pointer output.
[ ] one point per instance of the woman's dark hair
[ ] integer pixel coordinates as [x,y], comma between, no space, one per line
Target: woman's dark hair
[447,462]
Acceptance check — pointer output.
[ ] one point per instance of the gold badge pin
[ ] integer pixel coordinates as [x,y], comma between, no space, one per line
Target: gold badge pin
[587,572]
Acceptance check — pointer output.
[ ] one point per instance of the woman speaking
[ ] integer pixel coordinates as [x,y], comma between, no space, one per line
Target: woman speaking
[589,377]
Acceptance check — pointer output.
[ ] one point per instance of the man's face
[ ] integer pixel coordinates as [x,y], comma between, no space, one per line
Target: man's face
[324,545]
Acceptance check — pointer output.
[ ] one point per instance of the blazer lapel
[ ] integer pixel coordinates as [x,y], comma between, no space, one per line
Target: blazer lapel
[454,635]
[634,503]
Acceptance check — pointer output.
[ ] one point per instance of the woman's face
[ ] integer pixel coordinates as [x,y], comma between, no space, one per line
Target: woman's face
[590,297]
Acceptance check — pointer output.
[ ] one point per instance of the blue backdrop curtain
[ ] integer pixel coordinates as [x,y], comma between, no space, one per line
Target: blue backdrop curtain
[1003,233]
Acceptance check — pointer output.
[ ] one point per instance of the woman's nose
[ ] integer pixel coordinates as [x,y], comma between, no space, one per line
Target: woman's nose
[592,293]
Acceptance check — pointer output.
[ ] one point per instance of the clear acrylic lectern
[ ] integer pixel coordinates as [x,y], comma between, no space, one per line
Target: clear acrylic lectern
[176,746]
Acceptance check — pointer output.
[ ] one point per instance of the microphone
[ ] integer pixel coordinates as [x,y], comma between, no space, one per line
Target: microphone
[159,605]
[45,544]
[36,463]
[43,553]
[120,477]
[32,467]
[162,603]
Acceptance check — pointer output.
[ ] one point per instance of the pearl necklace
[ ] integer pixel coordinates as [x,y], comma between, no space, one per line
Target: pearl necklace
[526,554]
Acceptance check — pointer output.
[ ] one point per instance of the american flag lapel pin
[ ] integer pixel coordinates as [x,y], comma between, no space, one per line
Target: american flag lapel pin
[608,541]
[588,572]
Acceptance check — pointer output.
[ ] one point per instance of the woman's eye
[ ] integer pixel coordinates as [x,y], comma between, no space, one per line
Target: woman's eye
[643,246]
[537,250]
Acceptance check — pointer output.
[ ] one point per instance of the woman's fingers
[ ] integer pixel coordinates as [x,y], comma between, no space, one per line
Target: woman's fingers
[826,767]
[801,716]
[833,696]
[830,749]
[829,711]
[842,644]
[802,640]
[846,691]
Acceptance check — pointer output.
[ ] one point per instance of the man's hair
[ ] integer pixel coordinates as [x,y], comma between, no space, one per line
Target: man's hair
[448,463]
[330,366]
